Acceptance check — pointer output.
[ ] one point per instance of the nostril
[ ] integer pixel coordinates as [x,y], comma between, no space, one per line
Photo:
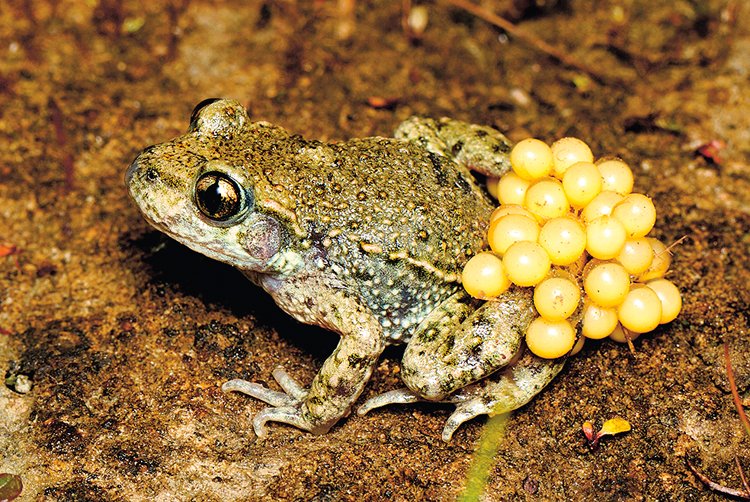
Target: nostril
[151,174]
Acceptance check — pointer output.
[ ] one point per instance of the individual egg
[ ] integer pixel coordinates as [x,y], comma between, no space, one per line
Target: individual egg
[531,159]
[546,199]
[616,175]
[509,209]
[601,205]
[511,189]
[660,262]
[636,255]
[598,322]
[564,239]
[640,311]
[581,183]
[605,237]
[637,214]
[510,229]
[568,151]
[550,339]
[669,296]
[526,263]
[619,335]
[556,298]
[484,277]
[606,283]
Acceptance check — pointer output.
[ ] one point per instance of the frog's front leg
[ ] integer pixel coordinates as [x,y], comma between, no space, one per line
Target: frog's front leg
[476,147]
[343,375]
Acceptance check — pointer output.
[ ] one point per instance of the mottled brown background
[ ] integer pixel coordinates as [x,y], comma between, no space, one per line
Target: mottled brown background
[127,335]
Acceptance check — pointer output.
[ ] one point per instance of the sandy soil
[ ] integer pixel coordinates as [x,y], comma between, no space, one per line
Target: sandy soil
[127,336]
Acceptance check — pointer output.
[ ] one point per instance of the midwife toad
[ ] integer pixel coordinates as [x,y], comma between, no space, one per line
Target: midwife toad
[366,238]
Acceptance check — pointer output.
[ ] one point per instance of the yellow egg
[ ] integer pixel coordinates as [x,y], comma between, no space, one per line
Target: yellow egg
[669,296]
[510,229]
[546,199]
[531,159]
[492,186]
[636,255]
[581,183]
[640,311]
[526,263]
[660,263]
[637,213]
[618,335]
[605,237]
[578,346]
[556,298]
[601,205]
[564,239]
[616,175]
[598,322]
[511,189]
[484,277]
[550,339]
[606,284]
[568,151]
[509,209]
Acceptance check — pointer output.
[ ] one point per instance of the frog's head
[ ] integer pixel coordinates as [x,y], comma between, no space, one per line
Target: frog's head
[197,189]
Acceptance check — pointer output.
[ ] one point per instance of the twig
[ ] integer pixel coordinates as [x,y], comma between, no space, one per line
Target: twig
[61,137]
[717,487]
[735,394]
[535,42]
[676,243]
[742,474]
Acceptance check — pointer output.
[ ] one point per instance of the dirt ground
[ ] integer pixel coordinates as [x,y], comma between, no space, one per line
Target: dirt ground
[127,336]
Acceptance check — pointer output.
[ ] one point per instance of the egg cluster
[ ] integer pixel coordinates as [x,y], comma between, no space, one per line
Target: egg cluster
[566,221]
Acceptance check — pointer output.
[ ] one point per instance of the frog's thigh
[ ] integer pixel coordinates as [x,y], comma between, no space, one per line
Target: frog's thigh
[458,344]
[503,392]
[479,148]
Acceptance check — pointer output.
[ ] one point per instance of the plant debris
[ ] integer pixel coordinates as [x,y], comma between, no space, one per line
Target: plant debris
[611,427]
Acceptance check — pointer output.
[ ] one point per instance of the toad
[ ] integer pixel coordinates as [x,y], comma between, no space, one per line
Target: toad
[366,238]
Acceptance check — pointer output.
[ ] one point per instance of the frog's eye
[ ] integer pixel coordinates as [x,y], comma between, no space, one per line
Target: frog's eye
[218,196]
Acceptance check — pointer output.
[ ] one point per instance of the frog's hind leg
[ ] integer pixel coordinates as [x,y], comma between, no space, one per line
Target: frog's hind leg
[504,392]
[458,343]
[458,353]
[476,147]
[501,393]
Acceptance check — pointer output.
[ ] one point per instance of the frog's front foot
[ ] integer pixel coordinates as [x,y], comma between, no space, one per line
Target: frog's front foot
[287,407]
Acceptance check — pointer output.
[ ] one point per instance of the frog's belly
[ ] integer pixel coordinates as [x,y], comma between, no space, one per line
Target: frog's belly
[400,295]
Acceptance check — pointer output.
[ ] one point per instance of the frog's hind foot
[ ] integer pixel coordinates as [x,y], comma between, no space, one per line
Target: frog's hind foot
[500,393]
[397,396]
[464,411]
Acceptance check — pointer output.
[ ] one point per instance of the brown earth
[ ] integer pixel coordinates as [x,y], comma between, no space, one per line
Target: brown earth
[127,336]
